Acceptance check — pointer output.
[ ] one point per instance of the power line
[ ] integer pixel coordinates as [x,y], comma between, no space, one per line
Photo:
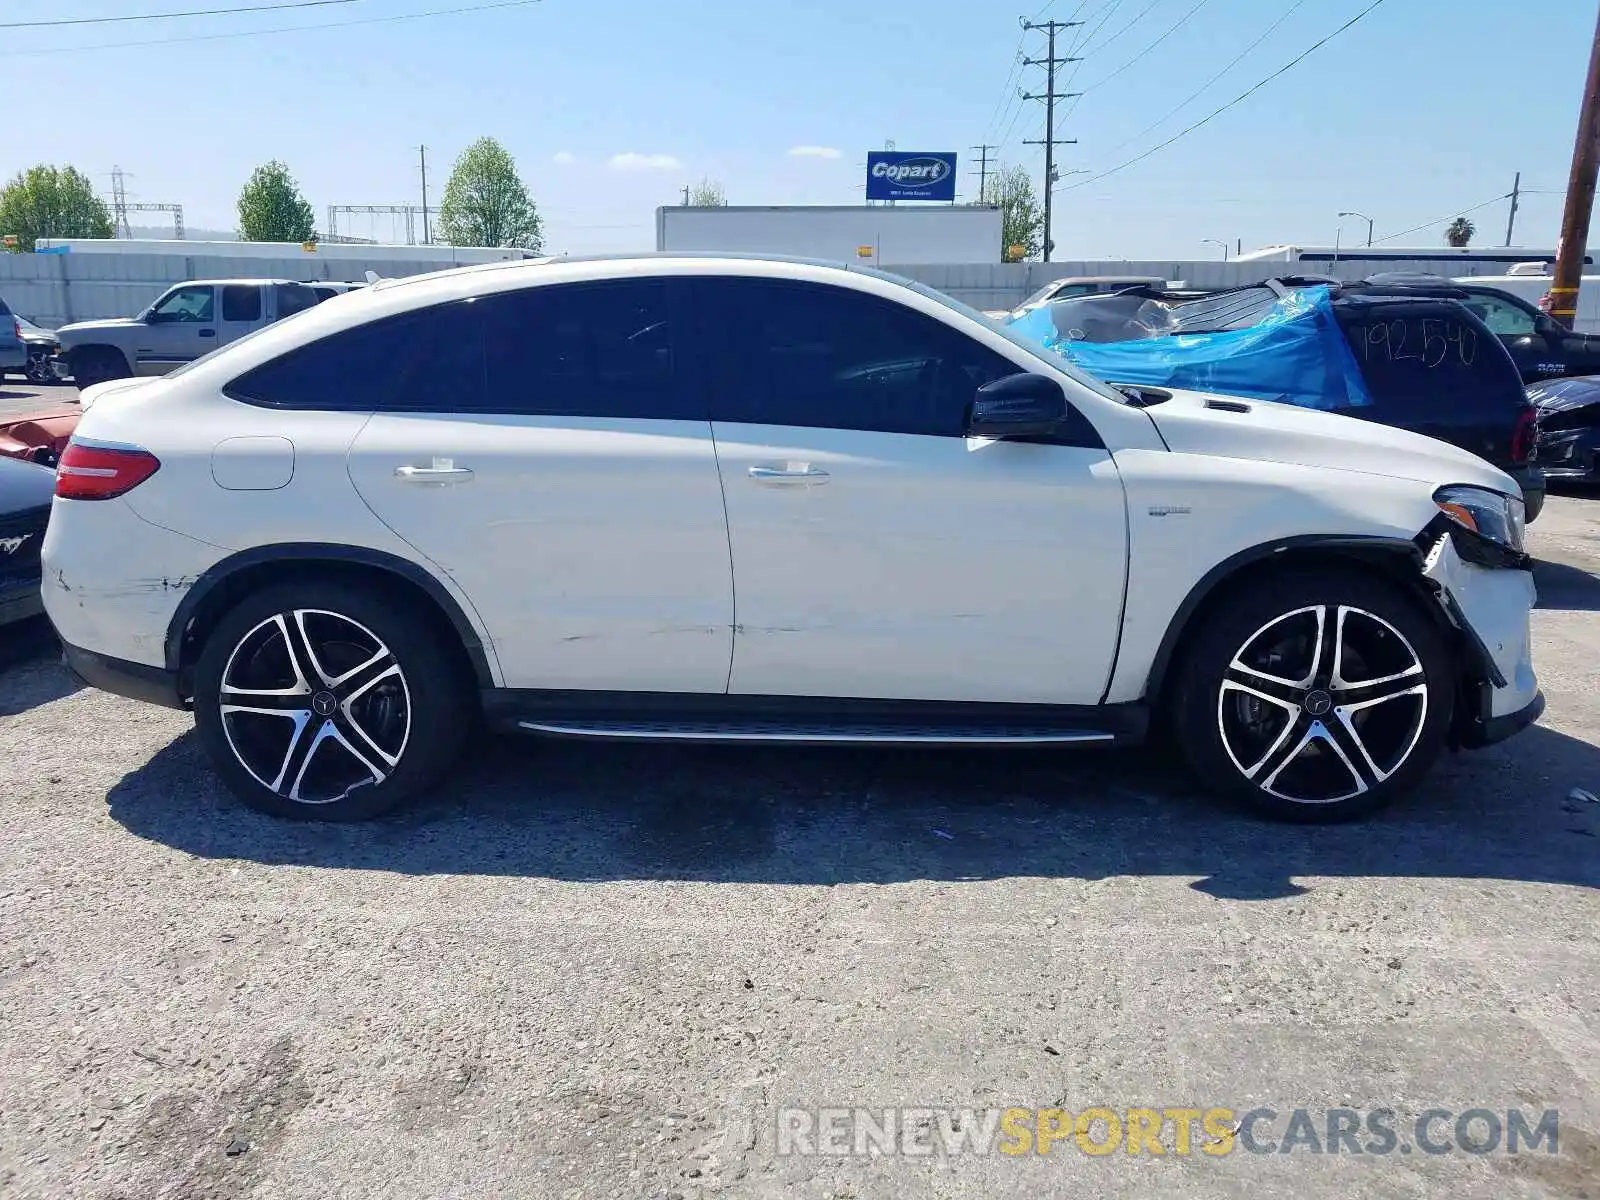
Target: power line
[1239,99]
[1134,20]
[1172,29]
[170,16]
[1455,212]
[1192,96]
[212,37]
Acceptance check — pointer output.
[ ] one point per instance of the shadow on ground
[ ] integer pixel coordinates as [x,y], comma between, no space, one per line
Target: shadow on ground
[578,811]
[29,652]
[1563,586]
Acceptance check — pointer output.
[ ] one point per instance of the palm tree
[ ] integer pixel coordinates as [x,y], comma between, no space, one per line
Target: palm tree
[1459,232]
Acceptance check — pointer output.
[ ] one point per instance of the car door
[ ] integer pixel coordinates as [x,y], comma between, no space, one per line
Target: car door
[243,311]
[542,449]
[180,327]
[1537,353]
[877,551]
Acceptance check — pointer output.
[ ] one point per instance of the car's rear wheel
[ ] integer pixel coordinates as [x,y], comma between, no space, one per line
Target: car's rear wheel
[96,364]
[1315,695]
[329,702]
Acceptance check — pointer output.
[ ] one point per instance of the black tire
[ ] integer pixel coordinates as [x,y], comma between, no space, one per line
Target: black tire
[346,744]
[39,370]
[1239,727]
[96,364]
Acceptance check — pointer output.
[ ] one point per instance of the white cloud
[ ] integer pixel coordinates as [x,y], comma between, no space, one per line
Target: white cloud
[813,152]
[632,161]
[564,157]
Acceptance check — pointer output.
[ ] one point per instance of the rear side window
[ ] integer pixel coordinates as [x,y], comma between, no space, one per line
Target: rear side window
[584,350]
[241,302]
[1424,363]
[430,360]
[293,298]
[828,357]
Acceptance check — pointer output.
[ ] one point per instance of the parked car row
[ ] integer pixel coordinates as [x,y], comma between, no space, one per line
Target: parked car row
[1407,353]
[530,494]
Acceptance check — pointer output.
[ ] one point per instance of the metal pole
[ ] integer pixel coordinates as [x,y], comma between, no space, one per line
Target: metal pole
[1570,250]
[427,233]
[1511,217]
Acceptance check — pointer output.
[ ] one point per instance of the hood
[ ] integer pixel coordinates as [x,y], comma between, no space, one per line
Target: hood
[1561,395]
[24,486]
[89,395]
[79,327]
[1197,423]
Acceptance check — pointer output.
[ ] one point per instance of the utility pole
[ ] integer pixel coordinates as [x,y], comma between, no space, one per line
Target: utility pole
[686,195]
[1570,250]
[983,167]
[1511,217]
[1049,62]
[427,233]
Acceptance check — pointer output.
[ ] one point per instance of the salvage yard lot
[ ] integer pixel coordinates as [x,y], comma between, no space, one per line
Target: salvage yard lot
[592,971]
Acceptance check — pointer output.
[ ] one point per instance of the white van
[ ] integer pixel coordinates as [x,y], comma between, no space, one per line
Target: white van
[1531,281]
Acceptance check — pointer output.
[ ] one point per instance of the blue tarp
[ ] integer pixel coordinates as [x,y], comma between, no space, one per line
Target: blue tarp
[1295,354]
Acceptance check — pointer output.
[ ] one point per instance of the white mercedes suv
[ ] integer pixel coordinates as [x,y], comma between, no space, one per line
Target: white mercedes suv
[713,498]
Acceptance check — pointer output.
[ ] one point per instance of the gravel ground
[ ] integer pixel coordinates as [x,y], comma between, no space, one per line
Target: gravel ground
[597,971]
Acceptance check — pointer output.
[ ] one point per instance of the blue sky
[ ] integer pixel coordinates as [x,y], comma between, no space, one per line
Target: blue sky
[1422,109]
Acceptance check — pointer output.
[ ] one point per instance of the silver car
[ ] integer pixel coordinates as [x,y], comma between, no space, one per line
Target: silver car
[13,350]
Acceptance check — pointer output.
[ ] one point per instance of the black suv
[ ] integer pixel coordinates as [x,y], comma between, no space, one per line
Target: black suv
[1540,345]
[1429,361]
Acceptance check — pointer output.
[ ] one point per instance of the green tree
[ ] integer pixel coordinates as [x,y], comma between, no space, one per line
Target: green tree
[1459,232]
[271,208]
[1021,218]
[47,201]
[486,204]
[708,193]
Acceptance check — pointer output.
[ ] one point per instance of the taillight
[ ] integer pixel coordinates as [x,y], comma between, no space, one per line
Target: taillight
[88,472]
[16,328]
[1525,435]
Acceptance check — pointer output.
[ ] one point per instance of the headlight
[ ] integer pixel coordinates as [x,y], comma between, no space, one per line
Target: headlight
[1489,514]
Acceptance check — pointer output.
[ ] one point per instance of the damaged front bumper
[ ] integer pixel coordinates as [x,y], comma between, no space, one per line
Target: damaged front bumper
[1487,595]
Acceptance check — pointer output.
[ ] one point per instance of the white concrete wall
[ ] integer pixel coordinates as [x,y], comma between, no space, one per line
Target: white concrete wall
[903,233]
[52,289]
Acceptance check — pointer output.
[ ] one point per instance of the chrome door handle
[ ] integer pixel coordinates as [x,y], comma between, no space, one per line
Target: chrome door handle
[788,473]
[442,471]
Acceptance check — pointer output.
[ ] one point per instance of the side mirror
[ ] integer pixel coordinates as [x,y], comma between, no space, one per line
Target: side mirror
[1547,326]
[1024,405]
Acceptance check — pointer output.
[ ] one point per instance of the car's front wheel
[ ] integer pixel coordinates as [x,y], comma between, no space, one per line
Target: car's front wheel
[96,364]
[1315,695]
[329,701]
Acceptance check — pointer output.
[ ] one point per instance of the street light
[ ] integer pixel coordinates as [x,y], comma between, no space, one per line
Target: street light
[1217,242]
[1365,218]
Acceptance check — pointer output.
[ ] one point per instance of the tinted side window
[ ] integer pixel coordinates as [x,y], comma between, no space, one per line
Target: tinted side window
[584,350]
[430,360]
[241,302]
[1428,364]
[293,298]
[827,357]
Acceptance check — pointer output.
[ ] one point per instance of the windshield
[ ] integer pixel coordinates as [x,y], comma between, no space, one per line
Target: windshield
[1037,349]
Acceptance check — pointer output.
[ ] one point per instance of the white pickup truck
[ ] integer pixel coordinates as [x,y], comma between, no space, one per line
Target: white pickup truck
[184,322]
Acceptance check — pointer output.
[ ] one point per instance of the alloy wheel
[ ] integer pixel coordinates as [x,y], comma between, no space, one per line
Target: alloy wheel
[315,706]
[1322,704]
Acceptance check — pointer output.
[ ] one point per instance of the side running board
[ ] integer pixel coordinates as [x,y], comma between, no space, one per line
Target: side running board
[832,734]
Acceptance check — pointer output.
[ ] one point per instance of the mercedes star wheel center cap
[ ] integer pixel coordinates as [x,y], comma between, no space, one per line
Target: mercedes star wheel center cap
[1316,704]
